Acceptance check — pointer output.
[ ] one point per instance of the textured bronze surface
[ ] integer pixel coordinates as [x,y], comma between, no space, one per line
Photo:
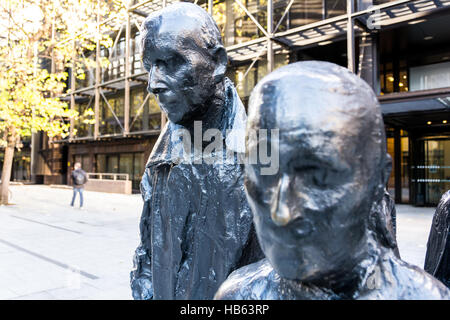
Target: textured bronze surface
[196,225]
[437,259]
[319,220]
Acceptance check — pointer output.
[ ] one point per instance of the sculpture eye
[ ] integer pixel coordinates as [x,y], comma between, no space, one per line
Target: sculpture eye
[160,63]
[312,173]
[306,168]
[174,61]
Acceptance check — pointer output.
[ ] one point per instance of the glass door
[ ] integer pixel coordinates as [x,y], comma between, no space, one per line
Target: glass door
[432,174]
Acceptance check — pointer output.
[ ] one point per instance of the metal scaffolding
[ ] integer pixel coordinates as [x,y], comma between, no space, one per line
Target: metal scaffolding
[356,21]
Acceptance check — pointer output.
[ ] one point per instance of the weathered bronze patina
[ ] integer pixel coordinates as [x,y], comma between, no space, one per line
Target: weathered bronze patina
[196,225]
[319,220]
[437,259]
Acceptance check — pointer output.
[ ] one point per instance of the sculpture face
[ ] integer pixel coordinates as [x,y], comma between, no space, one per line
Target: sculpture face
[183,72]
[311,216]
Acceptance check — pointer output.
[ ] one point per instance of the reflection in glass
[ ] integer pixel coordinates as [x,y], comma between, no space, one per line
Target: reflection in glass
[146,116]
[129,163]
[437,171]
[237,27]
[112,163]
[108,119]
[84,123]
[138,169]
[126,164]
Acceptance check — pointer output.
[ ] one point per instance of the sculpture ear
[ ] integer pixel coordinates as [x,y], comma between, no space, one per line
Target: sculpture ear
[387,168]
[221,59]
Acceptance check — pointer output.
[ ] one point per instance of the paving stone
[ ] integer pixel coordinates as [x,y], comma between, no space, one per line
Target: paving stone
[49,250]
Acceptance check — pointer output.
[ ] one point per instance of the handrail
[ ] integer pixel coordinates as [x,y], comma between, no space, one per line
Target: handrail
[101,176]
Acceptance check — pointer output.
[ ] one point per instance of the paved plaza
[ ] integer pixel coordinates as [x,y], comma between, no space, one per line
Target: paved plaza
[49,250]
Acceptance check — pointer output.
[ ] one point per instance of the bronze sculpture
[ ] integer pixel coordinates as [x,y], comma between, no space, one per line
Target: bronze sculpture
[316,218]
[384,221]
[196,225]
[437,259]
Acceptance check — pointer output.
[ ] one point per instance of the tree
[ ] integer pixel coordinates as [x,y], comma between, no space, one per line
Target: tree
[39,40]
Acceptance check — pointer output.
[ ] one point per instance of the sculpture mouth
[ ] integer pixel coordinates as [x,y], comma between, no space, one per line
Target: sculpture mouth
[300,228]
[288,236]
[166,95]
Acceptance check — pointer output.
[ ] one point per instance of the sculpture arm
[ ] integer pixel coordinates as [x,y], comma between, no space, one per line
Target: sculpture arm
[141,275]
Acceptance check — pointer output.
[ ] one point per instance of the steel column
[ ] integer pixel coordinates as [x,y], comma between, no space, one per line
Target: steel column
[72,96]
[97,77]
[270,56]
[126,111]
[350,37]
[397,166]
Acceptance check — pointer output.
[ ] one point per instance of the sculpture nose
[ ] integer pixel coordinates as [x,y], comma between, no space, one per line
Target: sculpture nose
[279,210]
[156,83]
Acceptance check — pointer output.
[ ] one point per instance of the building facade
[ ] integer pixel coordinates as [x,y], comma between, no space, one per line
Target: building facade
[401,48]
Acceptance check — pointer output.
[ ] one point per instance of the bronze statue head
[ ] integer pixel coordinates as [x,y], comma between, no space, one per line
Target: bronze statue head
[183,52]
[312,216]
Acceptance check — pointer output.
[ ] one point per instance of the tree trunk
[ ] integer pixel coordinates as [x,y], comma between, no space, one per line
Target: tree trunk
[7,167]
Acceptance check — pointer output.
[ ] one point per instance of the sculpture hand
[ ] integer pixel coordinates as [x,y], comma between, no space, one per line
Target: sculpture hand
[142,288]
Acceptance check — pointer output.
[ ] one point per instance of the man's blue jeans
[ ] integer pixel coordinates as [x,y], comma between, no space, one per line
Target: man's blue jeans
[80,191]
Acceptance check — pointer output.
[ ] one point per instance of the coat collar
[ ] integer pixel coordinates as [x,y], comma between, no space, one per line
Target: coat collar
[233,131]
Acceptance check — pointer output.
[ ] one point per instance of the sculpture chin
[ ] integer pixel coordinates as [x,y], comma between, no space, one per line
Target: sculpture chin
[174,112]
[175,117]
[293,269]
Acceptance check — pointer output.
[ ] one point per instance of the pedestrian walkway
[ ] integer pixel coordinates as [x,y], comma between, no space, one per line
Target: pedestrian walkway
[413,228]
[49,250]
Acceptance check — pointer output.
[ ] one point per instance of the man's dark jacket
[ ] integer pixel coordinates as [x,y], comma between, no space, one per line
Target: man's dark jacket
[196,226]
[80,172]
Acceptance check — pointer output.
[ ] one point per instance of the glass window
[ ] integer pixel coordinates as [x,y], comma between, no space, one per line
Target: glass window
[403,81]
[144,117]
[138,169]
[237,27]
[21,166]
[405,166]
[233,22]
[305,11]
[86,163]
[100,163]
[437,162]
[126,164]
[245,83]
[391,151]
[108,122]
[334,8]
[431,174]
[112,163]
[137,109]
[120,49]
[84,123]
[84,160]
[130,163]
[430,76]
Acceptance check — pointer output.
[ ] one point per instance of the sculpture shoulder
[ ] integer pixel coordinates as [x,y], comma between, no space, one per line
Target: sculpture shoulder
[257,281]
[413,283]
[437,239]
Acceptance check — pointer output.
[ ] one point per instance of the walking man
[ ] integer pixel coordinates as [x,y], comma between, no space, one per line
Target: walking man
[79,179]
